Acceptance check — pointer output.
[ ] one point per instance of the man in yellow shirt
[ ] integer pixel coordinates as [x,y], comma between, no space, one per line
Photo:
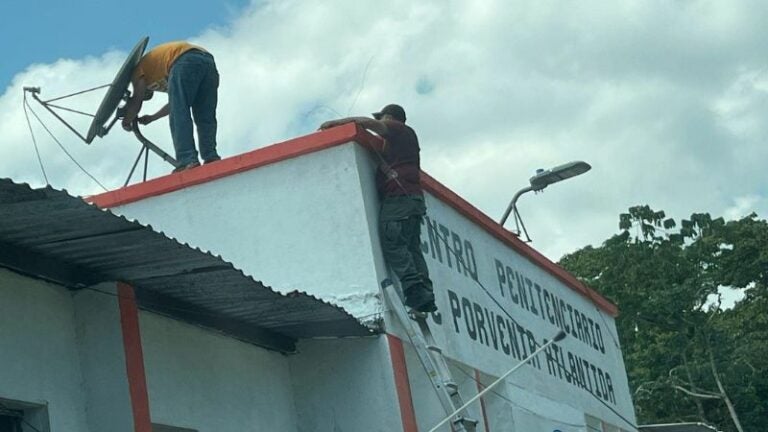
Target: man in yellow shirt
[188,74]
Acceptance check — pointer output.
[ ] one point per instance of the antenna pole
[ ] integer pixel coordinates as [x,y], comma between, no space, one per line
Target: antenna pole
[133,168]
[35,91]
[151,146]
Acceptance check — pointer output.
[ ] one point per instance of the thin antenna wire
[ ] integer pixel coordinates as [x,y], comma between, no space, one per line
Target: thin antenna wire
[362,85]
[321,106]
[34,141]
[77,93]
[70,110]
[351,106]
[65,150]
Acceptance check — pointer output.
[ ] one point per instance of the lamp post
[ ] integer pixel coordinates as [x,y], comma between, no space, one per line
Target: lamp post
[541,180]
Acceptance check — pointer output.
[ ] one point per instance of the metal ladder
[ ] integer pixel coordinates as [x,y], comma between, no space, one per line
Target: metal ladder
[431,357]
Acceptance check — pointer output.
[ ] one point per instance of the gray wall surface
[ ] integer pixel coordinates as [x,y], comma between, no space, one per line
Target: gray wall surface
[102,357]
[206,381]
[345,385]
[39,360]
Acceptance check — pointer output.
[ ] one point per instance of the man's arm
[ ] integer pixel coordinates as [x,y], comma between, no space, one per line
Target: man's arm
[147,119]
[377,126]
[133,106]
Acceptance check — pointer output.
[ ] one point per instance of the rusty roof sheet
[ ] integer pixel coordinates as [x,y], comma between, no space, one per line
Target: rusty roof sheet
[49,234]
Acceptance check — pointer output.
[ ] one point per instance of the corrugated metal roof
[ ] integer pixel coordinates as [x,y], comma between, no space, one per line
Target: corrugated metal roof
[49,234]
[677,427]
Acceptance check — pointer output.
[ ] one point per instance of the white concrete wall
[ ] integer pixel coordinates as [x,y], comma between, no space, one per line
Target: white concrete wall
[39,360]
[296,224]
[208,382]
[345,385]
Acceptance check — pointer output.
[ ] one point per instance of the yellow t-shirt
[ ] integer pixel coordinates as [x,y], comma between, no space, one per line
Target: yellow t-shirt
[156,64]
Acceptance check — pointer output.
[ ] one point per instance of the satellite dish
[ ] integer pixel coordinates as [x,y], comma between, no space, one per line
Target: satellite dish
[101,123]
[116,92]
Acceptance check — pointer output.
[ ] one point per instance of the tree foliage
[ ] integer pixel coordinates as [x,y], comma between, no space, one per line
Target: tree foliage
[688,358]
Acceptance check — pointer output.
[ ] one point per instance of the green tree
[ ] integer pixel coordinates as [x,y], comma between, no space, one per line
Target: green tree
[687,358]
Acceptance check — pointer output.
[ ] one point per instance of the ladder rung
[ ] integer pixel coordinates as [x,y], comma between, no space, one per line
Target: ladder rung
[465,420]
[417,316]
[435,364]
[435,349]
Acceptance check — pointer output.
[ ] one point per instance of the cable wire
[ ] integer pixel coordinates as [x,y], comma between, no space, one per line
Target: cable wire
[25,104]
[613,338]
[65,150]
[362,85]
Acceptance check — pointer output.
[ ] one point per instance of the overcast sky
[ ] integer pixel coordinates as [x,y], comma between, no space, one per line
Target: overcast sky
[667,100]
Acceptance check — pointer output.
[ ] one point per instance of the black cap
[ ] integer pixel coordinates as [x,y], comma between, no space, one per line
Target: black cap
[395,111]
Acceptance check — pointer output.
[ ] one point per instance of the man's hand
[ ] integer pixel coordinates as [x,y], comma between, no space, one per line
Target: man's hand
[378,126]
[147,119]
[127,126]
[133,105]
[329,124]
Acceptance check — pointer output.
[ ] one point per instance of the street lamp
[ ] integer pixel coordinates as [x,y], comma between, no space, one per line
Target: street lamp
[542,179]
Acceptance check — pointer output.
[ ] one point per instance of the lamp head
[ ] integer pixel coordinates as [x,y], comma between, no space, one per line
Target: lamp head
[544,178]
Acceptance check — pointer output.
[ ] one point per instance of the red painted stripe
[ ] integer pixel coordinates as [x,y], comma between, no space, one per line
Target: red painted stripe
[233,165]
[481,387]
[402,385]
[323,140]
[134,358]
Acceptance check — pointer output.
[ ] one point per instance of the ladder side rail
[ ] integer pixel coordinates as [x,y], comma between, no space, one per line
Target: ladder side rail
[434,363]
[421,348]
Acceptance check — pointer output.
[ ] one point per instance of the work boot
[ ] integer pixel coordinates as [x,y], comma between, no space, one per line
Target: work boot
[187,166]
[420,300]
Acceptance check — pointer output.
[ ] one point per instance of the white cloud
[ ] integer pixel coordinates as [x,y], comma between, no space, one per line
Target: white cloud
[665,99]
[743,206]
[726,298]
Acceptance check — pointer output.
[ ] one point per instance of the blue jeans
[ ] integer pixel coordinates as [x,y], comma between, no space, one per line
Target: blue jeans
[193,84]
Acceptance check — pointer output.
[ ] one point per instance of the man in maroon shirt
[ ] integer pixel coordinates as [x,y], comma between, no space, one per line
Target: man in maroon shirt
[402,202]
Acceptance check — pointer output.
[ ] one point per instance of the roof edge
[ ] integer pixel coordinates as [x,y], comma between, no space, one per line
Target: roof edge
[322,140]
[232,165]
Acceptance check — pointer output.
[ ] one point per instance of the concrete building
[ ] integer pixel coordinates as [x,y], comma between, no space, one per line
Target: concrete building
[301,216]
[106,325]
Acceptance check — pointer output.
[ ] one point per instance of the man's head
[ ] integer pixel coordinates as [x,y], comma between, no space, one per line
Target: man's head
[396,112]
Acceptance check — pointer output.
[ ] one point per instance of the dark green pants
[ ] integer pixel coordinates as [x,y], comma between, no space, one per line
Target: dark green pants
[400,229]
